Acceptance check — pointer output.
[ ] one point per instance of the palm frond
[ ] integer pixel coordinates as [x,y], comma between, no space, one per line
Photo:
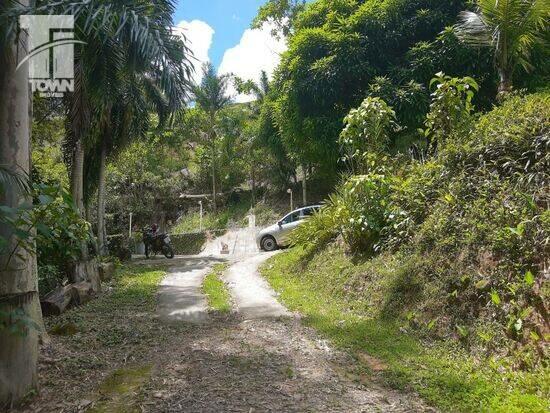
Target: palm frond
[9,178]
[473,30]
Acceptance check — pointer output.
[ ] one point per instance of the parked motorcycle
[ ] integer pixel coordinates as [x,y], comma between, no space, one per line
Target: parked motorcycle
[157,244]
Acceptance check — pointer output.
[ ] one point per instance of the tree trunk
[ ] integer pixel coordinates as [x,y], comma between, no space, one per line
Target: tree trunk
[77,177]
[304,185]
[77,190]
[101,241]
[213,149]
[214,197]
[18,280]
[505,82]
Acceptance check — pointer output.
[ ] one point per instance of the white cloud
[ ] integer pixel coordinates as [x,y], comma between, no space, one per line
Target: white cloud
[199,36]
[257,50]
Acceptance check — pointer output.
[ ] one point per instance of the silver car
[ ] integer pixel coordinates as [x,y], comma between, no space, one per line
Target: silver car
[277,235]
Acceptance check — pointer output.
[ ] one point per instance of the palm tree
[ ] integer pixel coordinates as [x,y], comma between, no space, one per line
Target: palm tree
[258,89]
[131,65]
[511,27]
[126,87]
[211,96]
[18,286]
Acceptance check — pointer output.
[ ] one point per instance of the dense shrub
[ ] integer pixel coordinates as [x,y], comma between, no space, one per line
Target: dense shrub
[465,234]
[356,212]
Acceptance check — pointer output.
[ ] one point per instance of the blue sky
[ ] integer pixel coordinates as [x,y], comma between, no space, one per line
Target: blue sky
[229,19]
[219,31]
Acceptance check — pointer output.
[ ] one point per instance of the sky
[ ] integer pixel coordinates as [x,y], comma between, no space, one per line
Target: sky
[219,32]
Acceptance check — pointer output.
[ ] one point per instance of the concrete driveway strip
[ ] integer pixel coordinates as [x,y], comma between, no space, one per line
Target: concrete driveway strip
[181,298]
[253,296]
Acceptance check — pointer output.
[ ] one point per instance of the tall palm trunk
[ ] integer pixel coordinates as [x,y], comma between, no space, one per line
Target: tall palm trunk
[18,280]
[77,177]
[102,244]
[213,149]
[505,81]
[214,190]
[77,273]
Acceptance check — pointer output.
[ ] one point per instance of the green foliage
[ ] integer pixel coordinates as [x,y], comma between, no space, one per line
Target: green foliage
[356,212]
[449,55]
[211,95]
[51,223]
[359,208]
[317,230]
[468,226]
[143,171]
[409,100]
[366,132]
[334,58]
[47,155]
[450,108]
[279,13]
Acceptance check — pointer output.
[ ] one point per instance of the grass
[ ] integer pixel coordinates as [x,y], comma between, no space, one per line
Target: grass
[216,291]
[443,373]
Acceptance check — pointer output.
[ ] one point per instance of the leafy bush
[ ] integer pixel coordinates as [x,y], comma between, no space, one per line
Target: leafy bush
[317,230]
[466,233]
[366,132]
[450,108]
[51,227]
[357,212]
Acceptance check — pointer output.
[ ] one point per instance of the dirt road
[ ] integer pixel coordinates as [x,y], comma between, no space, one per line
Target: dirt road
[136,350]
[259,359]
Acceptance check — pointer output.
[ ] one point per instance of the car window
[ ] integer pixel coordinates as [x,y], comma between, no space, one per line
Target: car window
[295,216]
[308,212]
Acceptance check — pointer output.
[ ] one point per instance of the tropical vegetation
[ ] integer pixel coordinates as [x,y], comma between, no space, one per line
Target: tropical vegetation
[423,126]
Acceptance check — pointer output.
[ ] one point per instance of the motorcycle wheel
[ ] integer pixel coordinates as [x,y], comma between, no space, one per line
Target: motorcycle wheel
[168,251]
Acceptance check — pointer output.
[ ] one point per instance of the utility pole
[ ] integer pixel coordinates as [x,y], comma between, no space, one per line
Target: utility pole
[130,226]
[304,185]
[200,216]
[289,191]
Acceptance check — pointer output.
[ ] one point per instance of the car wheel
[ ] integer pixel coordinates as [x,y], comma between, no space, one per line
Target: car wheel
[269,243]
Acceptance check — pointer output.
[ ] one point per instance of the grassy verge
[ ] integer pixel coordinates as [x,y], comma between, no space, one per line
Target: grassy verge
[216,291]
[442,373]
